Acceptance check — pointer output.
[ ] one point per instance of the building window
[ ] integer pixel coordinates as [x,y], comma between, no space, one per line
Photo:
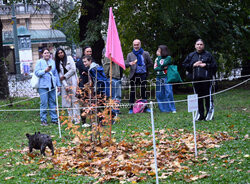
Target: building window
[5,1]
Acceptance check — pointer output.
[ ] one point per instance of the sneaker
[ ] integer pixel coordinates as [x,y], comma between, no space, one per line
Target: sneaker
[197,116]
[44,123]
[148,110]
[173,112]
[86,125]
[210,114]
[130,111]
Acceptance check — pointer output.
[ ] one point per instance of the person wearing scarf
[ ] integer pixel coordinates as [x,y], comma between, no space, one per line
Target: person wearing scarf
[139,62]
[164,91]
[66,69]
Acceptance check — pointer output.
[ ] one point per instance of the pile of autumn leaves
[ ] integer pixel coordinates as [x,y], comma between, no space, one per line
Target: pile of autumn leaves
[128,161]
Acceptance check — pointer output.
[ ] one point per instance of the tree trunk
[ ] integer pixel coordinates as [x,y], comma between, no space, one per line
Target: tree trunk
[94,10]
[4,88]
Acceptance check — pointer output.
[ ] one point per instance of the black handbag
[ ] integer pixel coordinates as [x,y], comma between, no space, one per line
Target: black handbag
[200,73]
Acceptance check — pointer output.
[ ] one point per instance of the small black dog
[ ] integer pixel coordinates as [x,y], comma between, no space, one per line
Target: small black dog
[40,141]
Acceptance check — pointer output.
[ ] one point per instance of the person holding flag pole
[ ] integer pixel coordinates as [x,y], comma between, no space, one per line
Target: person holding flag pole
[113,52]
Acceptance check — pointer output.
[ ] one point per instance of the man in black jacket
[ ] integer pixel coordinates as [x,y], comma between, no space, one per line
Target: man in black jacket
[204,62]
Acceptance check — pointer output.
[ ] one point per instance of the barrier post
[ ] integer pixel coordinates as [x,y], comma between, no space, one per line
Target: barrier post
[195,144]
[153,132]
[57,109]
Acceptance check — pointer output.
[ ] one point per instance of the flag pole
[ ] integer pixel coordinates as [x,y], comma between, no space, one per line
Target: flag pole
[110,95]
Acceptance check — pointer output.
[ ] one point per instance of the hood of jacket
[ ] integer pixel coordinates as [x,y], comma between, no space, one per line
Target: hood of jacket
[93,65]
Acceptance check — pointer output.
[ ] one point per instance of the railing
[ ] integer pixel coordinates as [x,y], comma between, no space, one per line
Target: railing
[21,9]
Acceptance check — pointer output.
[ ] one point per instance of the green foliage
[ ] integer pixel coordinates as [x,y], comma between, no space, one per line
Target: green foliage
[66,20]
[221,24]
[93,32]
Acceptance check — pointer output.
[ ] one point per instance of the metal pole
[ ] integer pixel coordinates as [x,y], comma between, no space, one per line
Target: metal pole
[153,132]
[17,60]
[73,46]
[195,144]
[57,109]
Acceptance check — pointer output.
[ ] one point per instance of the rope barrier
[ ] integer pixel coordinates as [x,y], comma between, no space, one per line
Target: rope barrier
[23,100]
[191,82]
[125,104]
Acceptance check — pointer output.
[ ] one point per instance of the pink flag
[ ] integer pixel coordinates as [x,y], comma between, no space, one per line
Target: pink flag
[113,45]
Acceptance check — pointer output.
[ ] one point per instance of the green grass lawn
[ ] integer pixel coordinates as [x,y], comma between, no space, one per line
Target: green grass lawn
[228,163]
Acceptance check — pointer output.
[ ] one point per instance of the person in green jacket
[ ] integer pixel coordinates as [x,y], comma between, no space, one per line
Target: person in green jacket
[164,91]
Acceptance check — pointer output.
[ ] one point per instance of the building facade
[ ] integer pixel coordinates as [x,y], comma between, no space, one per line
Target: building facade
[34,21]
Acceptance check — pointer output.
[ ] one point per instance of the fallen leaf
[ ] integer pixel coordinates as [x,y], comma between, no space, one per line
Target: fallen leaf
[31,174]
[193,178]
[121,173]
[224,156]
[8,178]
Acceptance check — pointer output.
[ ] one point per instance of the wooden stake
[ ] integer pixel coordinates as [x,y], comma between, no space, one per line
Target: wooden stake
[110,95]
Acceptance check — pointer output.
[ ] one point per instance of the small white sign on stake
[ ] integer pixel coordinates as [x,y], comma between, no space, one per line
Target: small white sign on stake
[192,107]
[192,103]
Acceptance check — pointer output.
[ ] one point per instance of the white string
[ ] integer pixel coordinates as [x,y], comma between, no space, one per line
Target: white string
[126,104]
[192,82]
[24,100]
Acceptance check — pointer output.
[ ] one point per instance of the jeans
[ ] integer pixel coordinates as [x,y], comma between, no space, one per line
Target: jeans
[164,93]
[116,92]
[116,89]
[137,81]
[101,87]
[47,97]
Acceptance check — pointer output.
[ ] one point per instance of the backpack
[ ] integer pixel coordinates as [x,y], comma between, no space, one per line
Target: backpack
[139,106]
[100,74]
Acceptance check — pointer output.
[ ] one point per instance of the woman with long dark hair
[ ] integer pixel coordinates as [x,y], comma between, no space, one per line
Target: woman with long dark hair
[45,69]
[66,68]
[164,91]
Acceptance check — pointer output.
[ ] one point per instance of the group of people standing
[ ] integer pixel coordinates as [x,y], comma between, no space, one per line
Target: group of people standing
[59,73]
[63,73]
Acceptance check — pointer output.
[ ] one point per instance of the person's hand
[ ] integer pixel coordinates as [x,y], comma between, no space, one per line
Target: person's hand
[48,69]
[67,89]
[202,65]
[133,62]
[197,63]
[84,73]
[58,89]
[62,78]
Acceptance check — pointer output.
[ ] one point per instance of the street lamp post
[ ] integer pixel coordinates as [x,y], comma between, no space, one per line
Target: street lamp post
[17,60]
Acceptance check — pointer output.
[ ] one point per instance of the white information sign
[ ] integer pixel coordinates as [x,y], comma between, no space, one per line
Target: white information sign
[192,107]
[192,103]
